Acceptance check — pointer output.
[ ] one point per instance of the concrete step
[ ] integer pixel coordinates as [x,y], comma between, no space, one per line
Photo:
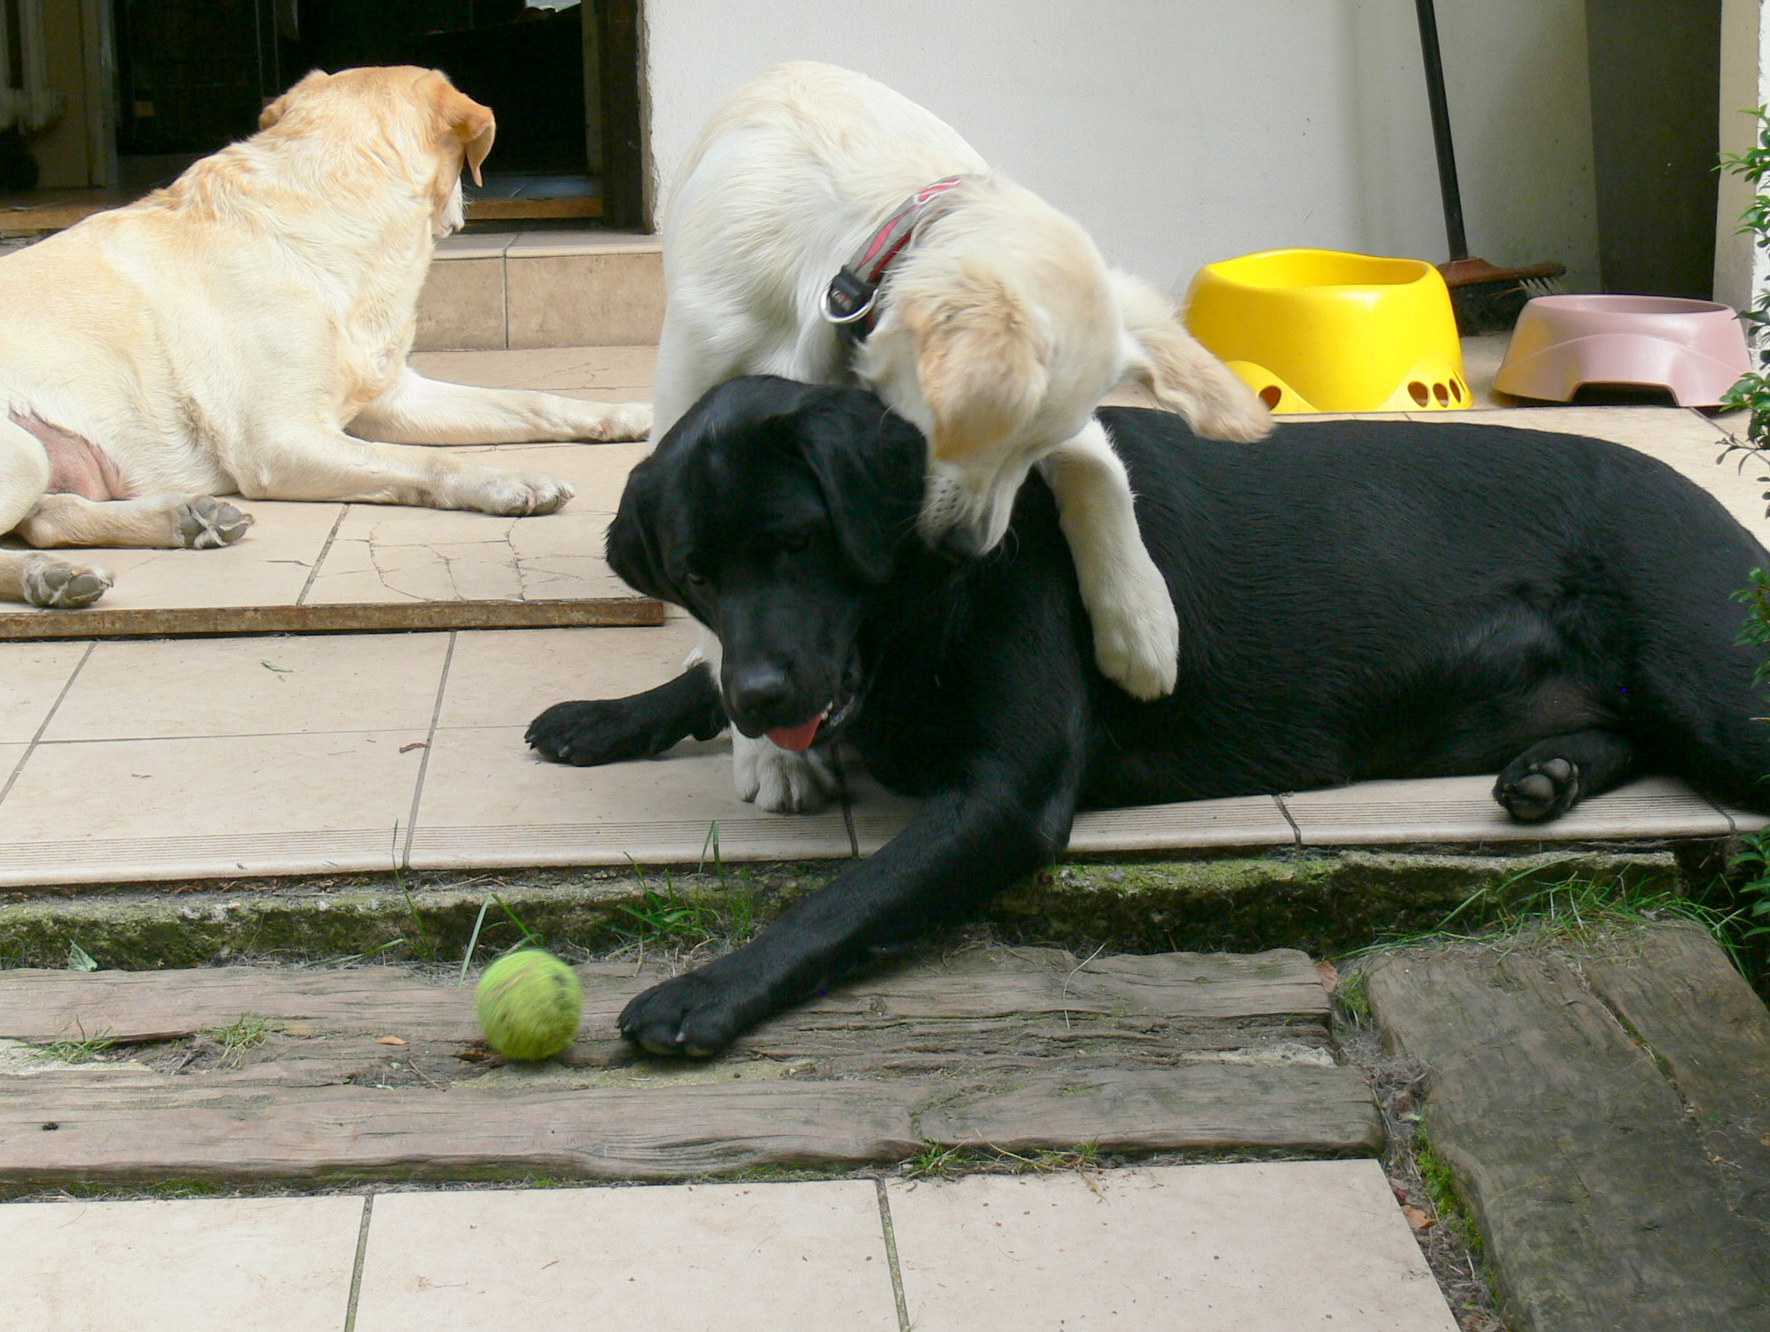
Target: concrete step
[528,289]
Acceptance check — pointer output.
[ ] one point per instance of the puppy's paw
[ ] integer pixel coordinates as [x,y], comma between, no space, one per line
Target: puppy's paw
[778,780]
[205,523]
[1231,412]
[1535,791]
[616,421]
[1136,633]
[519,494]
[60,585]
[1218,404]
[691,1015]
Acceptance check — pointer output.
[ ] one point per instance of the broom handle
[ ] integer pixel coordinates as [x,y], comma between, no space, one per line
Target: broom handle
[1447,160]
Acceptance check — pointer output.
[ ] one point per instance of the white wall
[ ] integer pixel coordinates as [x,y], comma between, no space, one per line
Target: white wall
[1182,131]
[1741,269]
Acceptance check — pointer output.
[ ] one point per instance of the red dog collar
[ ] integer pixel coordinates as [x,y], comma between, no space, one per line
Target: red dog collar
[850,302]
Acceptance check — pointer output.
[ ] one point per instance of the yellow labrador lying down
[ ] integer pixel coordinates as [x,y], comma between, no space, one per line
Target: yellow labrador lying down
[990,321]
[245,330]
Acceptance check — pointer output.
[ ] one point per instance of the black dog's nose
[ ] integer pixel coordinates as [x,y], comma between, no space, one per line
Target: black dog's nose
[758,691]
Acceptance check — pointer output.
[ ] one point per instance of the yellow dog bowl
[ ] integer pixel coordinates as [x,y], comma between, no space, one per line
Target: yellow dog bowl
[1324,331]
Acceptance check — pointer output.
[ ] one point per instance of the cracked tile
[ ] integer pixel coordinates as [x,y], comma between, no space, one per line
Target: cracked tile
[369,564]
[389,553]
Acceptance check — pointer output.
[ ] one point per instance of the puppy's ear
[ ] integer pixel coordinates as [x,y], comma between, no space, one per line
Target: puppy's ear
[983,358]
[872,466]
[277,109]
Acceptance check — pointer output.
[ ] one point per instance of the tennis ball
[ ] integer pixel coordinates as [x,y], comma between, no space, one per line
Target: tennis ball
[529,1004]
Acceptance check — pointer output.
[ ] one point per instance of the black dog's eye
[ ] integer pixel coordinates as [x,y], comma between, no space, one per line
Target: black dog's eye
[794,542]
[694,579]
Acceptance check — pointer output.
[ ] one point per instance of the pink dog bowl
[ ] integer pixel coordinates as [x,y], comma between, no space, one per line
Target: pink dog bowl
[1695,350]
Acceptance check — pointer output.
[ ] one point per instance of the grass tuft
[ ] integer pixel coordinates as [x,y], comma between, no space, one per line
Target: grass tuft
[83,1050]
[1572,909]
[239,1036]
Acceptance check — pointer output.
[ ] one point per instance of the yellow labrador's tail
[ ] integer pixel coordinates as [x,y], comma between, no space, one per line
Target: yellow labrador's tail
[1185,377]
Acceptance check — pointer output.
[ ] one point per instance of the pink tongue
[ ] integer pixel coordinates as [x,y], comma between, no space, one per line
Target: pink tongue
[796,738]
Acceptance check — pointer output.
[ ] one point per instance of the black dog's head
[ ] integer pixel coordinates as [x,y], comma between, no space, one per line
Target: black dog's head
[773,512]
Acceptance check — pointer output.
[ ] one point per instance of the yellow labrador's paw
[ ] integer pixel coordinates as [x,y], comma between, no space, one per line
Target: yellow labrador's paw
[62,586]
[618,421]
[521,494]
[778,780]
[1137,635]
[205,522]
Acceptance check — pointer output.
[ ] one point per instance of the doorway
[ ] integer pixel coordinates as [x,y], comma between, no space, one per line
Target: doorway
[186,77]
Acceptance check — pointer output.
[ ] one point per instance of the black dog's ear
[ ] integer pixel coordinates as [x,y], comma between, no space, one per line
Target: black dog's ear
[872,467]
[631,545]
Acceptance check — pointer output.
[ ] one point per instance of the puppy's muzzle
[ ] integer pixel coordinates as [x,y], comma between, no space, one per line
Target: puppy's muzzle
[958,523]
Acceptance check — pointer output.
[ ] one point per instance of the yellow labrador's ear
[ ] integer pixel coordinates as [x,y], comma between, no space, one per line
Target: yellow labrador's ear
[983,359]
[277,109]
[471,125]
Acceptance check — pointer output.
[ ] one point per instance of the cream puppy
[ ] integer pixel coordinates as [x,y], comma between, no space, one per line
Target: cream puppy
[996,329]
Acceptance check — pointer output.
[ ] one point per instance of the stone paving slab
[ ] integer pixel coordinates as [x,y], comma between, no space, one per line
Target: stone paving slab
[1209,1248]
[1604,1104]
[666,1260]
[1267,1247]
[248,1263]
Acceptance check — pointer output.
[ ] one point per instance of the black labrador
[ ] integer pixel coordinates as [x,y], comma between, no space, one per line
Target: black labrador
[1357,599]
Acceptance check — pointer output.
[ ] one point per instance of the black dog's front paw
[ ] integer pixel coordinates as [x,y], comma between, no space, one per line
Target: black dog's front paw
[1534,791]
[585,733]
[614,730]
[692,1014]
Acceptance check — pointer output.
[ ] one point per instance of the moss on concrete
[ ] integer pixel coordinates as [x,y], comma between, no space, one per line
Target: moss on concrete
[1326,904]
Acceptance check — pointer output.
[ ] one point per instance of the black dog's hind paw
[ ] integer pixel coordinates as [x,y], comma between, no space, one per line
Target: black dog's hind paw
[1534,791]
[692,1014]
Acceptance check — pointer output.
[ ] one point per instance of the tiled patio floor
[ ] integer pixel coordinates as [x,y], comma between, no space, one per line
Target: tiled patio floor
[1253,1247]
[159,759]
